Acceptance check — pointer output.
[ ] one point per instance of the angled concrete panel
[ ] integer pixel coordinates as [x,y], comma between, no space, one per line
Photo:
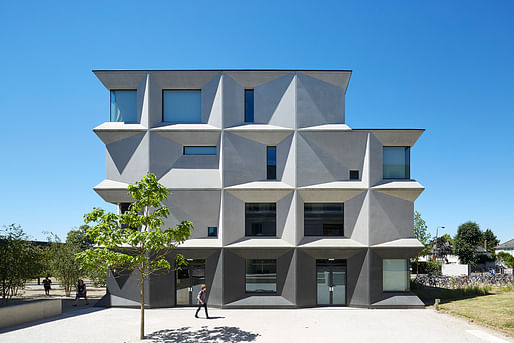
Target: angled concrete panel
[275,102]
[318,102]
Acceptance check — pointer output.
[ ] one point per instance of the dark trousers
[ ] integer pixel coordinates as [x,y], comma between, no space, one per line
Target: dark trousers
[204,305]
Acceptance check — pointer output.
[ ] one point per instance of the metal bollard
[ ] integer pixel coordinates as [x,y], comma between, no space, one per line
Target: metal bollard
[436,305]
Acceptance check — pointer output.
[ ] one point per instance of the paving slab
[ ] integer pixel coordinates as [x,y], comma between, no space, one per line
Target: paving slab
[298,325]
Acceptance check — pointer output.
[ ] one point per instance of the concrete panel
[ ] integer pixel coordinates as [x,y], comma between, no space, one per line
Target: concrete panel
[390,218]
[358,279]
[275,102]
[125,286]
[318,102]
[360,231]
[143,101]
[243,160]
[212,101]
[128,160]
[29,312]
[233,102]
[329,156]
[201,207]
[375,161]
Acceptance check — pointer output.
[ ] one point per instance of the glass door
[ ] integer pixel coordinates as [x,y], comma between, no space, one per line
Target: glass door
[331,282]
[189,281]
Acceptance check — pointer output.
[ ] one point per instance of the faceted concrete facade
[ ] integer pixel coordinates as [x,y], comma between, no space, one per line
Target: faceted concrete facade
[302,113]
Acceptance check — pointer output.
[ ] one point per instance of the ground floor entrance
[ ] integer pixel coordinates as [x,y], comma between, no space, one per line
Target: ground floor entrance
[189,281]
[331,282]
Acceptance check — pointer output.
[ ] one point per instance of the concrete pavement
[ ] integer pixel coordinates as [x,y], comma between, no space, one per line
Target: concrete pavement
[302,325]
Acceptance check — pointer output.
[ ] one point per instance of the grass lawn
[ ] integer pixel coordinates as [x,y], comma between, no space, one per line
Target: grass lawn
[495,308]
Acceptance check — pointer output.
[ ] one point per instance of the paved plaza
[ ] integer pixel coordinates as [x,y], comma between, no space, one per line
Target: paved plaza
[302,325]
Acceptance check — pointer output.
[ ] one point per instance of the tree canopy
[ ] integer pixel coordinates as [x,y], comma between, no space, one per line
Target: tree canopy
[466,240]
[135,240]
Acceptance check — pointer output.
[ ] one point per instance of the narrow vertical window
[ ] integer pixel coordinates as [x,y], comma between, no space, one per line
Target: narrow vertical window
[271,163]
[248,105]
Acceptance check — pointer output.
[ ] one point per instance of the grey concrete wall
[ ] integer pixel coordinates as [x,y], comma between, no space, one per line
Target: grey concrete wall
[313,163]
[29,312]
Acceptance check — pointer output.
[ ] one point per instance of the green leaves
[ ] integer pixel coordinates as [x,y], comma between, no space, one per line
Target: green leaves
[135,239]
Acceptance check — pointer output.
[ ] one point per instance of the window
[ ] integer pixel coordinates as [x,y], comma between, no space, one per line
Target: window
[124,106]
[271,163]
[261,276]
[396,162]
[260,219]
[182,106]
[249,106]
[212,231]
[354,175]
[124,207]
[199,150]
[323,219]
[395,275]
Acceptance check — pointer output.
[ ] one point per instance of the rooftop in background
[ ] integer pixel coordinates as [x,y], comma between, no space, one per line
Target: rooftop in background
[508,244]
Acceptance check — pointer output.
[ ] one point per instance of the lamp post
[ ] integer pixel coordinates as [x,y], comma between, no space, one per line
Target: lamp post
[437,245]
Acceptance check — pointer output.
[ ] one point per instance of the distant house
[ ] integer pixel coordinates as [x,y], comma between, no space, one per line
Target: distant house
[507,247]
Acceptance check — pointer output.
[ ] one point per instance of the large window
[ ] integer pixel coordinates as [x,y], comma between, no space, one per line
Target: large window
[124,106]
[396,162]
[249,106]
[182,106]
[395,275]
[199,150]
[323,219]
[261,276]
[271,162]
[260,219]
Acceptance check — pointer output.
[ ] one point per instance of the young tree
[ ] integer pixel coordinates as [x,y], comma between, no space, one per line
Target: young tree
[19,261]
[134,240]
[422,235]
[489,240]
[466,240]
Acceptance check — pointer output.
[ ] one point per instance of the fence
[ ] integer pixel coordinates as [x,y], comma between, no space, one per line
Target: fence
[475,279]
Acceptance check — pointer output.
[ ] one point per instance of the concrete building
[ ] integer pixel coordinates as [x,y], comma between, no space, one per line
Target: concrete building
[291,207]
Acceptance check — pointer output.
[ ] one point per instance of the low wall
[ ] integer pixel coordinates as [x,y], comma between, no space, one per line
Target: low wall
[455,269]
[29,312]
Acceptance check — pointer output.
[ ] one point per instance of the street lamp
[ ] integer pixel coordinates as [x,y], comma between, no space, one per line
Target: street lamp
[436,245]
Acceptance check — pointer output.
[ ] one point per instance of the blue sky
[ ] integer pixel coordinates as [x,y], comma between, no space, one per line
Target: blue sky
[445,66]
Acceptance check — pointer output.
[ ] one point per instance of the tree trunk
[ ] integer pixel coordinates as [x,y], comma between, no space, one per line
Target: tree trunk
[142,327]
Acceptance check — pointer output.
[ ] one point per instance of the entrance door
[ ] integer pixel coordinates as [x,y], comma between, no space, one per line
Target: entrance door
[331,282]
[189,281]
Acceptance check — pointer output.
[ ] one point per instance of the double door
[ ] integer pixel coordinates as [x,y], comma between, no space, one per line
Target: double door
[189,281]
[331,282]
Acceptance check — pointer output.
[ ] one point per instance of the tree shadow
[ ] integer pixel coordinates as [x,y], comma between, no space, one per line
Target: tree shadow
[203,335]
[428,294]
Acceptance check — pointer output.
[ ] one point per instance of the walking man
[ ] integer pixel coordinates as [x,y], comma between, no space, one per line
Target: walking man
[202,301]
[46,284]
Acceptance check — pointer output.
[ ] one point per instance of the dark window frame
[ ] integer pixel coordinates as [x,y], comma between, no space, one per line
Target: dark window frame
[271,169]
[354,171]
[245,105]
[209,231]
[179,89]
[275,261]
[322,233]
[249,229]
[199,146]
[110,105]
[406,166]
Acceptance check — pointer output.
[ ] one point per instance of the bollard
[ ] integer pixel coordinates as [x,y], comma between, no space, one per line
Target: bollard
[437,304]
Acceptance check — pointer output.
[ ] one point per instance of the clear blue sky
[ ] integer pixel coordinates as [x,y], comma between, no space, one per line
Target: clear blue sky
[445,66]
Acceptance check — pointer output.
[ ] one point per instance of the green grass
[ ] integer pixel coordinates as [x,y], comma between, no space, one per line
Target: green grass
[494,307]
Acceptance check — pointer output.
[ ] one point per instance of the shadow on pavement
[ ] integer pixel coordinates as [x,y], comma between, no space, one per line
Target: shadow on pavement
[204,335]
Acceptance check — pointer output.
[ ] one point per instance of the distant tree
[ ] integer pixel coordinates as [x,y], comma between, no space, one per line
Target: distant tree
[465,242]
[62,263]
[422,235]
[134,240]
[489,240]
[19,261]
[442,246]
